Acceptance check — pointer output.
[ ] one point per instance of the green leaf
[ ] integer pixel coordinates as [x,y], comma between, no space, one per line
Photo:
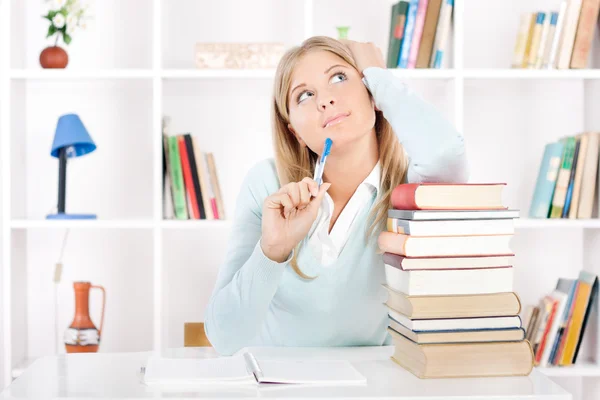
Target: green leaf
[64,11]
[52,14]
[66,38]
[51,31]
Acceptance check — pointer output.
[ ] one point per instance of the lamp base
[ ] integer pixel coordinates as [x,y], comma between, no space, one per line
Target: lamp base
[71,216]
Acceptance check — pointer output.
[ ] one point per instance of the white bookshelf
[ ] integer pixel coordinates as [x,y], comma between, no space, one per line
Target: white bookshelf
[122,87]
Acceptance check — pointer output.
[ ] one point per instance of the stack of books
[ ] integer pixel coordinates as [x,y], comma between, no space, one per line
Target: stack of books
[449,275]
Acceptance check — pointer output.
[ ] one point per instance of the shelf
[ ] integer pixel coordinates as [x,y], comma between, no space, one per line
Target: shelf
[508,73]
[61,74]
[525,223]
[577,370]
[83,223]
[195,224]
[267,73]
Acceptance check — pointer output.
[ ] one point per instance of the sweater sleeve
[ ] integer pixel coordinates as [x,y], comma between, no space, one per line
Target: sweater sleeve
[436,151]
[248,280]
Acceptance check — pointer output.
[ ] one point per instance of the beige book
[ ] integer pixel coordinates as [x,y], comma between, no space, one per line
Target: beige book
[428,35]
[214,178]
[453,306]
[529,39]
[543,40]
[568,35]
[582,152]
[535,44]
[456,360]
[588,181]
[588,17]
[203,178]
[522,38]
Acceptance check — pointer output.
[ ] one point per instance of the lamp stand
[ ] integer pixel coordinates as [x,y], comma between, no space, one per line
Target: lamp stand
[62,190]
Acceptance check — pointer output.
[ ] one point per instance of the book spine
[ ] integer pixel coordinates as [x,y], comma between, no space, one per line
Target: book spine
[408,33]
[177,178]
[416,40]
[428,36]
[549,40]
[187,179]
[535,40]
[560,23]
[588,18]
[441,36]
[403,197]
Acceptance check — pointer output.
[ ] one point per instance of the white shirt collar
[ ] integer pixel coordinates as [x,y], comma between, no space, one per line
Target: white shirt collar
[374,177]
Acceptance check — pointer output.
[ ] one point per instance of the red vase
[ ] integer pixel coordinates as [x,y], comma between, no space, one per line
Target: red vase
[54,57]
[82,336]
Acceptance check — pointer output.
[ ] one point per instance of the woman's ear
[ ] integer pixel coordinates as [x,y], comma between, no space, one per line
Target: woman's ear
[298,138]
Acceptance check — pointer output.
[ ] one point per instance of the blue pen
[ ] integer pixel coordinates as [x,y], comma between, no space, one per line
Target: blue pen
[321,165]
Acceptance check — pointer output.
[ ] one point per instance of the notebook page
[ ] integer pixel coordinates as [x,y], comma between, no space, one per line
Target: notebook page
[161,370]
[309,371]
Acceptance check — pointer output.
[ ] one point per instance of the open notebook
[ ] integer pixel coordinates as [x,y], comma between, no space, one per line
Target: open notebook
[245,368]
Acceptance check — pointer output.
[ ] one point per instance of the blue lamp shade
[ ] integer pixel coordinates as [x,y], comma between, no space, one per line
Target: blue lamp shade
[71,133]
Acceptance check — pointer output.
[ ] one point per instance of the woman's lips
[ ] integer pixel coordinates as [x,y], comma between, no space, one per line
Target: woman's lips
[335,120]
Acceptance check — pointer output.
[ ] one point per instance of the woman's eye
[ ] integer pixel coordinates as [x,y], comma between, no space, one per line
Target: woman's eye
[341,75]
[302,96]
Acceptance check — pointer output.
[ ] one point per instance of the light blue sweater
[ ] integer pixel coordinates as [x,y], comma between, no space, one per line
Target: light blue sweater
[257,301]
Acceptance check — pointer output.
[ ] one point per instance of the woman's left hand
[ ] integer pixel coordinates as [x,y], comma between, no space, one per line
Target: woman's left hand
[365,54]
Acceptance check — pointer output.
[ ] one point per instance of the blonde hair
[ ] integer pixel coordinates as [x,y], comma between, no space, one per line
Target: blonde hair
[294,162]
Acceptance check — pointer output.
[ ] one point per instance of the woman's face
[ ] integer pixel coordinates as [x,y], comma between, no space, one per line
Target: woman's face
[328,99]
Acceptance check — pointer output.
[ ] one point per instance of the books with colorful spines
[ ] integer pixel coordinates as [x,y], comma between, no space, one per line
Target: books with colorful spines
[455,360]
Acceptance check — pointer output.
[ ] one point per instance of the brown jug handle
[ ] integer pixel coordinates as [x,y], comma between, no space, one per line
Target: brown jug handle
[103,304]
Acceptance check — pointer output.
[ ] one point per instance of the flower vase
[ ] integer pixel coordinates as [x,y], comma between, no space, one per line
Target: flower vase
[54,57]
[82,336]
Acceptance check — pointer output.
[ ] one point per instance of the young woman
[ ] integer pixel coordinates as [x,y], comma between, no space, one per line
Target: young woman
[303,267]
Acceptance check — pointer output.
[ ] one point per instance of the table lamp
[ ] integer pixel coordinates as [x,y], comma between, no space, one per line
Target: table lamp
[71,139]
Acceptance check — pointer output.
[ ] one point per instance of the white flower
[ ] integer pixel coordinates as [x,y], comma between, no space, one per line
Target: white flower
[58,20]
[59,3]
[71,28]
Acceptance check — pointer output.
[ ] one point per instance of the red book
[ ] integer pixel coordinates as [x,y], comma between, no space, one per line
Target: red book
[187,178]
[448,196]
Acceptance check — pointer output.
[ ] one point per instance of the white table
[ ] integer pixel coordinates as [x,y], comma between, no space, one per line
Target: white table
[118,376]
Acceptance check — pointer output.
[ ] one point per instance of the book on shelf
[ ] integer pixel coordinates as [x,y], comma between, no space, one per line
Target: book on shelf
[556,326]
[191,187]
[418,34]
[567,179]
[452,308]
[558,38]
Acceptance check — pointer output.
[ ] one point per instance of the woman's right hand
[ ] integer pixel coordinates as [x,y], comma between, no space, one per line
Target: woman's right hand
[288,215]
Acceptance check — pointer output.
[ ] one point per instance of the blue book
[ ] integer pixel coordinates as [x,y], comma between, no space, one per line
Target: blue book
[546,180]
[411,16]
[567,207]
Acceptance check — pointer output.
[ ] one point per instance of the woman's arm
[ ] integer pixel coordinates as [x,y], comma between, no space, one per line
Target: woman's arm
[248,279]
[435,149]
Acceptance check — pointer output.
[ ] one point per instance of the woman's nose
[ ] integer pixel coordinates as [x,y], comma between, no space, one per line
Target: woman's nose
[326,101]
